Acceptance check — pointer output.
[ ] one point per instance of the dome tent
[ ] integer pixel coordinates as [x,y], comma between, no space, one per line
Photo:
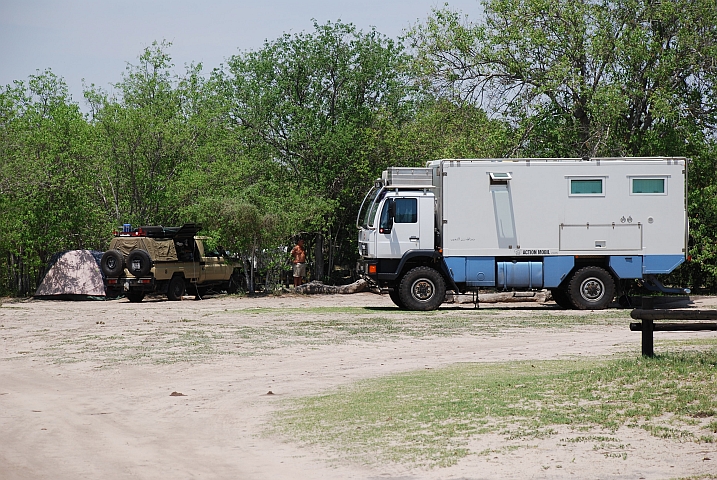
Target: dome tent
[73,275]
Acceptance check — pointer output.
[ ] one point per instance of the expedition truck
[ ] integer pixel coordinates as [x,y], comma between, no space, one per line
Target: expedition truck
[578,227]
[166,260]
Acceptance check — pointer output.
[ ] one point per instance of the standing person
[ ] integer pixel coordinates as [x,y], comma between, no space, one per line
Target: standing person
[298,255]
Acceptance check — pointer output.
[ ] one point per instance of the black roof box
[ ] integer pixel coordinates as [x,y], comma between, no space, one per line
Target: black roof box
[188,230]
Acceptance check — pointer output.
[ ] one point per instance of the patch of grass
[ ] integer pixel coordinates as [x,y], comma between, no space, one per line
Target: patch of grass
[426,418]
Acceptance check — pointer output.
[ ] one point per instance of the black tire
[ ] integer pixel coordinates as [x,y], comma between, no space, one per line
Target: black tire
[139,263]
[235,283]
[396,298]
[176,288]
[112,263]
[562,298]
[422,288]
[134,297]
[591,288]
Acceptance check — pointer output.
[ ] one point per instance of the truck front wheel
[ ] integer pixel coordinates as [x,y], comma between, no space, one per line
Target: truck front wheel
[422,288]
[176,288]
[591,288]
[396,299]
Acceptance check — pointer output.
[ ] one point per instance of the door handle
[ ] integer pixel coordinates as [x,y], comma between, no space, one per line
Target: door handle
[413,239]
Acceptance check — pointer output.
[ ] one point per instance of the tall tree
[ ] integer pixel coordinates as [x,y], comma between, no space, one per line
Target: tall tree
[47,197]
[311,103]
[145,133]
[584,77]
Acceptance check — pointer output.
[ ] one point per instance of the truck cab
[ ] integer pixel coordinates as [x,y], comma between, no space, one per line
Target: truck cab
[397,234]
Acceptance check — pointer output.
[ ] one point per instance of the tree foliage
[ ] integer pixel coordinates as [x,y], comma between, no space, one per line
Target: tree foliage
[586,77]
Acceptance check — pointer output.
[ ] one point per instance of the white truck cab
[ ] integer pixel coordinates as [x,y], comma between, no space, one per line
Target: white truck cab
[578,227]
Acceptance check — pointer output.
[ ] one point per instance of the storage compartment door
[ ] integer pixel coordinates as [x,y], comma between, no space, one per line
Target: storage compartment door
[598,238]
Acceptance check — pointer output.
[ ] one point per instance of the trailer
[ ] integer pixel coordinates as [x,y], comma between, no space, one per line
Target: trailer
[580,227]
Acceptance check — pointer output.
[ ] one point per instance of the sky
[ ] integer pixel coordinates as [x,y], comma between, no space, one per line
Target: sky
[95,39]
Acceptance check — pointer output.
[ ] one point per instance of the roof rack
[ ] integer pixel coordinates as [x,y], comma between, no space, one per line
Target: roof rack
[188,230]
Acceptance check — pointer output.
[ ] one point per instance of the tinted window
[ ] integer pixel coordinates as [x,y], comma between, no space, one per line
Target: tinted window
[406,210]
[585,187]
[648,185]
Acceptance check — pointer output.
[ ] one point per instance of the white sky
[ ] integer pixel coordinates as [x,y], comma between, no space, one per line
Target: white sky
[94,39]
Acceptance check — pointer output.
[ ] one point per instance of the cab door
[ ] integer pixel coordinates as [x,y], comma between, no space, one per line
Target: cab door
[399,227]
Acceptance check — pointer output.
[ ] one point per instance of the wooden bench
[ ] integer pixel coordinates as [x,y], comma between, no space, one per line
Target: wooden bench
[648,326]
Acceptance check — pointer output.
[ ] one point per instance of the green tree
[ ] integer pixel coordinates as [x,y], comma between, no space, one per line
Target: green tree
[146,131]
[47,193]
[313,103]
[587,77]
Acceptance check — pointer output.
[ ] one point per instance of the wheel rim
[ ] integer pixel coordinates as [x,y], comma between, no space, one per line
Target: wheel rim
[592,289]
[111,263]
[423,289]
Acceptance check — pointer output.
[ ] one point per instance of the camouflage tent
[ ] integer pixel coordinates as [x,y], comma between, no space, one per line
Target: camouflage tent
[73,275]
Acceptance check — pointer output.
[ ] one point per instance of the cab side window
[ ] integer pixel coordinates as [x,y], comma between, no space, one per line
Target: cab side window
[406,210]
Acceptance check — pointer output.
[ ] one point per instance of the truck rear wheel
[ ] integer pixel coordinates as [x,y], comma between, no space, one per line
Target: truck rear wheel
[422,288]
[562,298]
[134,297]
[591,288]
[176,288]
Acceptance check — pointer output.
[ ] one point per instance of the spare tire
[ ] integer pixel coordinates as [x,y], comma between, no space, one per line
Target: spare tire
[112,263]
[138,263]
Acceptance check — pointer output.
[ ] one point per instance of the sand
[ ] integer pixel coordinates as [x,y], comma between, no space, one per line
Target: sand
[162,389]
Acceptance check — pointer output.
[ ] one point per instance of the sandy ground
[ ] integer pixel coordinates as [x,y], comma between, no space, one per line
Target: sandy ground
[86,391]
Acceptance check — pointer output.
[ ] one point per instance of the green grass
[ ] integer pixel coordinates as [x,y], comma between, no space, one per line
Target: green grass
[426,418]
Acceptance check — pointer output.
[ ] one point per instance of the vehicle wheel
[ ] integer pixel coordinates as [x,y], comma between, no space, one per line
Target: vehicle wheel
[138,263]
[422,288]
[562,298]
[112,263]
[134,297]
[176,288]
[396,298]
[234,283]
[591,288]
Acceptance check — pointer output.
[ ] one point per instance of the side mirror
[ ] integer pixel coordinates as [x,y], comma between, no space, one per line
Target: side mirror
[391,209]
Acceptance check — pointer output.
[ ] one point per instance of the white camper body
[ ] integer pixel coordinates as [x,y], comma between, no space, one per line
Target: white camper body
[526,223]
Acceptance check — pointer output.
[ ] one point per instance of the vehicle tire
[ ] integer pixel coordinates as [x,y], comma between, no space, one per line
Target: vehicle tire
[396,298]
[138,263]
[134,297]
[562,298]
[591,288]
[422,288]
[234,284]
[112,263]
[176,288]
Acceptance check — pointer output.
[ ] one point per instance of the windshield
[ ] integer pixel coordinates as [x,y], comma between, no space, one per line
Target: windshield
[371,202]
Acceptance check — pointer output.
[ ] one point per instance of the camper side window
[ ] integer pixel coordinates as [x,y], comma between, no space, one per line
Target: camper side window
[587,186]
[648,186]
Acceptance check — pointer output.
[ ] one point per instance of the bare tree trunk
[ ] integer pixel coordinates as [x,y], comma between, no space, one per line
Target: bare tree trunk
[319,258]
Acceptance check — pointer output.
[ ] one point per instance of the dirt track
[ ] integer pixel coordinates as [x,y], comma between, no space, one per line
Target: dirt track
[85,387]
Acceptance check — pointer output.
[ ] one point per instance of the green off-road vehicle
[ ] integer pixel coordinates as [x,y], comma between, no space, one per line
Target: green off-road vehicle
[165,260]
